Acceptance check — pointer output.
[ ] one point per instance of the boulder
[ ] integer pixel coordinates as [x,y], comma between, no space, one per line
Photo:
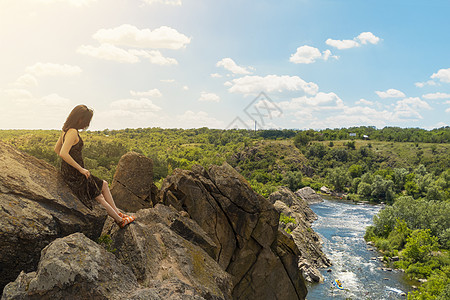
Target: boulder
[36,207]
[132,187]
[294,202]
[74,267]
[308,242]
[309,195]
[243,225]
[325,190]
[170,254]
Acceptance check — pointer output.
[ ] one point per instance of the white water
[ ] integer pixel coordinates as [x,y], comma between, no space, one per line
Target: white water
[341,224]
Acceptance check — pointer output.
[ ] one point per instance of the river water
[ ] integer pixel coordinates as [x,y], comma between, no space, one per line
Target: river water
[341,225]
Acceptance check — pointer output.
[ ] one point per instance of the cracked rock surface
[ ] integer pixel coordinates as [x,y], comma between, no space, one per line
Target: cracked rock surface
[36,207]
[132,187]
[243,225]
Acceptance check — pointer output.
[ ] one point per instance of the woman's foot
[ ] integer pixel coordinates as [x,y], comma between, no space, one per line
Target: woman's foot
[126,220]
[122,215]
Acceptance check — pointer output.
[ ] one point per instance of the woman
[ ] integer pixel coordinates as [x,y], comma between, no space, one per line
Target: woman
[86,186]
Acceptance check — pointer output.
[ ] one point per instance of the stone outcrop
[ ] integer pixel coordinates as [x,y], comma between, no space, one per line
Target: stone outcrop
[311,257]
[132,187]
[243,225]
[74,267]
[309,195]
[36,207]
[170,252]
[207,235]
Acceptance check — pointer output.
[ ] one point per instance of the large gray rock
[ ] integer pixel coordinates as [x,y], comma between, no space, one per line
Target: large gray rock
[294,202]
[132,187]
[309,243]
[309,195]
[36,207]
[243,225]
[171,253]
[74,267]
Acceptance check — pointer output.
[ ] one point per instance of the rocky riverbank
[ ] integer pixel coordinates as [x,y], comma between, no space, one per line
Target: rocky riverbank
[205,235]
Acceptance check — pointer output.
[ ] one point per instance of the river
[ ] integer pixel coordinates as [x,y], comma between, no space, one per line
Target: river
[341,225]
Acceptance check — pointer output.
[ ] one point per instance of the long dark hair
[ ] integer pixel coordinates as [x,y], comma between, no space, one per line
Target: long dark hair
[79,118]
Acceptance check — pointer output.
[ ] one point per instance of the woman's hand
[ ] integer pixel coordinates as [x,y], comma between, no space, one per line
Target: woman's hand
[85,172]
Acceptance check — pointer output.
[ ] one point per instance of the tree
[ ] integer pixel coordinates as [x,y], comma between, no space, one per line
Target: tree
[339,178]
[301,139]
[419,245]
[293,180]
[355,171]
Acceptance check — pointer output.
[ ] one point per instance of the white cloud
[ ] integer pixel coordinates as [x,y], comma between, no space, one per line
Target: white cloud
[21,109]
[50,69]
[168,80]
[130,36]
[71,2]
[135,105]
[422,84]
[435,96]
[55,99]
[209,97]
[216,75]
[150,93]
[155,57]
[168,2]
[390,93]
[342,44]
[368,37]
[363,38]
[409,108]
[26,80]
[363,102]
[109,52]
[231,66]
[185,88]
[17,94]
[443,75]
[307,55]
[320,101]
[414,102]
[271,83]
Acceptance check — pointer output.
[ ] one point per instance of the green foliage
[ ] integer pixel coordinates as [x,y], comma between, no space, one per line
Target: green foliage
[293,180]
[301,139]
[106,241]
[339,178]
[355,171]
[286,219]
[263,189]
[419,246]
[437,287]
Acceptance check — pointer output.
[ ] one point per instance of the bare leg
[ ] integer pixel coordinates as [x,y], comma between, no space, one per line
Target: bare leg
[111,212]
[108,197]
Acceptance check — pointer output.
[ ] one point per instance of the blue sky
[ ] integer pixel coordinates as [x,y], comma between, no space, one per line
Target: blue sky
[223,64]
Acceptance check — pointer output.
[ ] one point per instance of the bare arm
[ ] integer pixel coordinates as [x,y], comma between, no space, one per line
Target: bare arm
[64,148]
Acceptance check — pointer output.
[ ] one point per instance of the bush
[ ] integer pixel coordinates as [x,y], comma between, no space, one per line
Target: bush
[419,246]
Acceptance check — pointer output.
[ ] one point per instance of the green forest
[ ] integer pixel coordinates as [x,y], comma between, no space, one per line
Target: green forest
[406,168]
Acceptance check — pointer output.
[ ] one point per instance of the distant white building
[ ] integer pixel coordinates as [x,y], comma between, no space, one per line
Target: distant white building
[352,134]
[366,137]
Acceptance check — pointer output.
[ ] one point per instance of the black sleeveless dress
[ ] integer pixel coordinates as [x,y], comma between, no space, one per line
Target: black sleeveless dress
[86,189]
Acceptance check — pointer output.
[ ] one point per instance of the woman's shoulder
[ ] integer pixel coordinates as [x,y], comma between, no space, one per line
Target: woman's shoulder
[71,133]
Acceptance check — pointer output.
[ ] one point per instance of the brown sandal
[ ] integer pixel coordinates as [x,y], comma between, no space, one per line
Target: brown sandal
[126,220]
